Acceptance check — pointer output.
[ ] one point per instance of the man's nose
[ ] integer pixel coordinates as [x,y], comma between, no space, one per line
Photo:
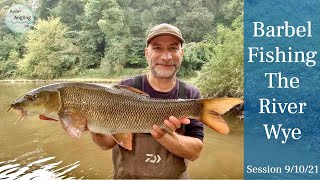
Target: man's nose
[166,55]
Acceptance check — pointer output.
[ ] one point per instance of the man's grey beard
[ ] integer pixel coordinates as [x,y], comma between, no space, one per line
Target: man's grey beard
[163,74]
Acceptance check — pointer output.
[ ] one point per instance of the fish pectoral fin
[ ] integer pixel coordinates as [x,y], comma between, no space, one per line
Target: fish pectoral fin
[124,140]
[132,89]
[42,117]
[73,122]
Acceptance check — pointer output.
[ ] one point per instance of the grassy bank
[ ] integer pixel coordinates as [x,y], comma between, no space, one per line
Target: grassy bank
[93,75]
[90,75]
[97,80]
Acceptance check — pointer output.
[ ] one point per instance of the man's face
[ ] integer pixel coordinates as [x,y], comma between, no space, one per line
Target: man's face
[164,56]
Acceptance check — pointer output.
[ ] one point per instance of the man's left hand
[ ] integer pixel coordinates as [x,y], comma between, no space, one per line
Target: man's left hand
[172,123]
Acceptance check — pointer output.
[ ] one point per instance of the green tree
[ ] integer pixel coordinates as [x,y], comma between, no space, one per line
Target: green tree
[110,34]
[70,13]
[136,57]
[45,7]
[49,52]
[157,12]
[11,44]
[195,55]
[230,10]
[223,74]
[196,23]
[9,55]
[91,39]
[132,13]
[117,34]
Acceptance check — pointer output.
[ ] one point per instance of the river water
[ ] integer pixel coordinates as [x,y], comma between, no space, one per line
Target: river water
[35,149]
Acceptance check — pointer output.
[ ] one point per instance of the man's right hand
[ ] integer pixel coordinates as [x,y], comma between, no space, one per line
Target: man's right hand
[172,123]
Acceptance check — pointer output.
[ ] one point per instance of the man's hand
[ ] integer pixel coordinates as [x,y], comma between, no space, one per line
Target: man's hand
[186,147]
[172,123]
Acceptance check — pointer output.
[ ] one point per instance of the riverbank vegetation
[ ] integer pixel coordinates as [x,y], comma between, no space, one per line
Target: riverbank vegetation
[106,39]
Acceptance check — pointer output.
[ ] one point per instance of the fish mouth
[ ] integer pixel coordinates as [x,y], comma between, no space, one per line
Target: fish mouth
[21,111]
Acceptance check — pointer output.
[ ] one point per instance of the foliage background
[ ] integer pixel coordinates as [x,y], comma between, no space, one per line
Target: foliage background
[103,39]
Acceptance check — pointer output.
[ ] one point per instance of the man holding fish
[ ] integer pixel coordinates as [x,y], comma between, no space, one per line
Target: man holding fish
[164,54]
[143,119]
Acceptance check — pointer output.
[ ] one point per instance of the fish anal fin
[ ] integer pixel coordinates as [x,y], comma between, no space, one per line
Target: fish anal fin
[212,109]
[73,122]
[124,140]
[132,89]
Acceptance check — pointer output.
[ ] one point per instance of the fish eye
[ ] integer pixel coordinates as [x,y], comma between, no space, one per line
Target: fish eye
[30,97]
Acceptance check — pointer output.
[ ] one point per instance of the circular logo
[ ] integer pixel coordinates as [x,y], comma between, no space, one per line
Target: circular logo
[19,18]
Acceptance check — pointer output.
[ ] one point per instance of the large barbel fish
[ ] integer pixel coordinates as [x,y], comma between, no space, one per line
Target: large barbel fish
[118,110]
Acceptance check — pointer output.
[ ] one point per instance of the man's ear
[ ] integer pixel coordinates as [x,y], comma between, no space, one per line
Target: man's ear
[146,52]
[182,51]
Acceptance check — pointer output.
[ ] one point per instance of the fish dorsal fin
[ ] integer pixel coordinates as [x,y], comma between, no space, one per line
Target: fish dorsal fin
[132,89]
[124,140]
[72,122]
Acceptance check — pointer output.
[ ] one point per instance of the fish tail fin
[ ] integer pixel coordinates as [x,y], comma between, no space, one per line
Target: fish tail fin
[212,109]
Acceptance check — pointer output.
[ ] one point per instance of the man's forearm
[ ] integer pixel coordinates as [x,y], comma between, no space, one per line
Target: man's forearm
[185,147]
